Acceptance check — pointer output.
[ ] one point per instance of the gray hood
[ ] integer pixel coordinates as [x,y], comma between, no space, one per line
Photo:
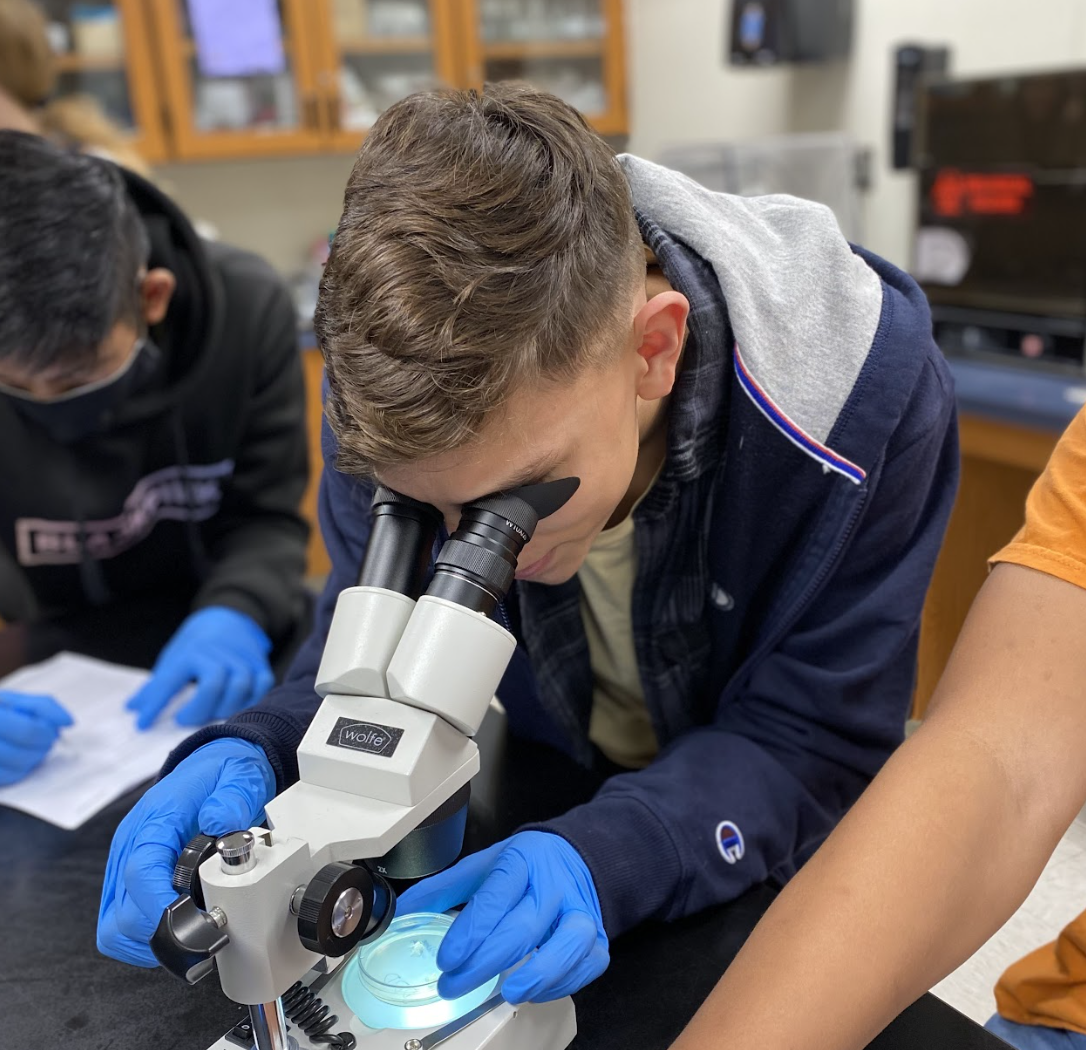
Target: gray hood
[803,307]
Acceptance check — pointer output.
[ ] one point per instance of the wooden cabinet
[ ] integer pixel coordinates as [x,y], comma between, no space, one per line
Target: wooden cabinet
[318,564]
[372,54]
[572,48]
[105,50]
[1000,463]
[203,79]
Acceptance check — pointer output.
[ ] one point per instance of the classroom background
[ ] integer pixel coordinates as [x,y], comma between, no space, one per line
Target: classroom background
[904,116]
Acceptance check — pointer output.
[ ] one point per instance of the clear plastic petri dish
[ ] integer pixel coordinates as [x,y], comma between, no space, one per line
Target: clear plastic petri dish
[392,983]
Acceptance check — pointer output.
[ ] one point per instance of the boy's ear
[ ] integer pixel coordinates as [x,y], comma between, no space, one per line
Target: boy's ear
[156,291]
[660,327]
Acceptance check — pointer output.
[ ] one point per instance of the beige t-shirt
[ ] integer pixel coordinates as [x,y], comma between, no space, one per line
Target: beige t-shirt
[620,725]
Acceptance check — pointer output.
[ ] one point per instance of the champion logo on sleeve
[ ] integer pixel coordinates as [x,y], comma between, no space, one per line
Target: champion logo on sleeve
[729,840]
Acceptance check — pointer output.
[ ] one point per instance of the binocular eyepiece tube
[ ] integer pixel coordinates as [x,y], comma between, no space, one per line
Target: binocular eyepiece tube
[476,565]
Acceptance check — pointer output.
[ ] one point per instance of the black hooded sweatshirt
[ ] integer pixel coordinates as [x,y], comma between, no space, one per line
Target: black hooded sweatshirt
[189,489]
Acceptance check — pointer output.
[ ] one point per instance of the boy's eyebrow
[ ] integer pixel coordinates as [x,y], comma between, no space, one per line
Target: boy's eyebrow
[530,475]
[534,473]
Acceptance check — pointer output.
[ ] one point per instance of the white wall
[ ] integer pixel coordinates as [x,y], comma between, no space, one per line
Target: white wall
[681,90]
[276,207]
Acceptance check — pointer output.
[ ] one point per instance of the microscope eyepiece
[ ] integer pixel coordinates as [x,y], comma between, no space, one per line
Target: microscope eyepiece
[401,540]
[476,565]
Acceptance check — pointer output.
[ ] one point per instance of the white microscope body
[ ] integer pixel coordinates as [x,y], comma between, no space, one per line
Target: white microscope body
[406,684]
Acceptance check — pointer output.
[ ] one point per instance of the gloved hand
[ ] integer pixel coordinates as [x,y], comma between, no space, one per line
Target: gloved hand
[221,787]
[532,891]
[224,652]
[29,727]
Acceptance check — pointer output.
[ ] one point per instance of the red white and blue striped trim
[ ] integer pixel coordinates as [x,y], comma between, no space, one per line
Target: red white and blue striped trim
[827,457]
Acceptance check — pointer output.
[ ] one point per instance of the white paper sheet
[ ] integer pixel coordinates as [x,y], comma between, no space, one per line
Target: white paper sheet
[103,755]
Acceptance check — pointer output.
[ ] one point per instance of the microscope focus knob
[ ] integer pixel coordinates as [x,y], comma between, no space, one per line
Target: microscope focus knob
[343,904]
[186,872]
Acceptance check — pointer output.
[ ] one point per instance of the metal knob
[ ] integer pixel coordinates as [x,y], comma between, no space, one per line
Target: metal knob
[343,905]
[236,851]
[347,912]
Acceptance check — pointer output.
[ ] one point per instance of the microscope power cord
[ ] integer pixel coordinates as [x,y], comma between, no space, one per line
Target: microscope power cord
[311,1015]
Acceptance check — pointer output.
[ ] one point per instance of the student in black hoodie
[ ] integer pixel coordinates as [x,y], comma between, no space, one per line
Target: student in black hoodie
[152,418]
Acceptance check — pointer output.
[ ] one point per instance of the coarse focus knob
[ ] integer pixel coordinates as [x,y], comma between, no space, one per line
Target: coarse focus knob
[186,872]
[342,905]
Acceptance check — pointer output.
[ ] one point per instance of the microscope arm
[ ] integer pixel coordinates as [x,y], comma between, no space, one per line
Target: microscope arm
[372,769]
[312,826]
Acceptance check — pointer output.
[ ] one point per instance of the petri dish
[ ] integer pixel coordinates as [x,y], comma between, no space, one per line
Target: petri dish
[392,982]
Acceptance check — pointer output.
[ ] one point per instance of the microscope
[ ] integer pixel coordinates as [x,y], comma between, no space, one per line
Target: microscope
[408,672]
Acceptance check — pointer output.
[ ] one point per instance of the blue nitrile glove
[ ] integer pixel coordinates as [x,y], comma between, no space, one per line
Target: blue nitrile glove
[221,787]
[224,652]
[29,727]
[532,891]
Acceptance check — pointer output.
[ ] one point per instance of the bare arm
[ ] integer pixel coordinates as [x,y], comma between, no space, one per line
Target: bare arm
[939,851]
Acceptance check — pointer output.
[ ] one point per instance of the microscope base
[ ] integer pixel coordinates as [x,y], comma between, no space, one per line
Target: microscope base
[532,1026]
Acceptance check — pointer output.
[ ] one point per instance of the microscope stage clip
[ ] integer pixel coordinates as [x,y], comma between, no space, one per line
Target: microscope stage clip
[449,1030]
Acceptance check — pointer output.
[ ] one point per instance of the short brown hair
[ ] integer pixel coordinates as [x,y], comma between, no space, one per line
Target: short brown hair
[27,66]
[487,240]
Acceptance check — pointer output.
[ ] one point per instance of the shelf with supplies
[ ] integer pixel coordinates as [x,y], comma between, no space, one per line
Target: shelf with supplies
[526,49]
[390,45]
[74,63]
[202,80]
[104,49]
[572,48]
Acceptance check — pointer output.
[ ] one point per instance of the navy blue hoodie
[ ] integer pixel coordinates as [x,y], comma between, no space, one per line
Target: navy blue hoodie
[783,558]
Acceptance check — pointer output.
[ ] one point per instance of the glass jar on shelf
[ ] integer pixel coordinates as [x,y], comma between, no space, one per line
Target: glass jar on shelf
[527,20]
[397,18]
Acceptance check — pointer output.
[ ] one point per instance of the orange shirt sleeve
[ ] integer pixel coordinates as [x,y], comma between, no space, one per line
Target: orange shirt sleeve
[1053,539]
[1048,986]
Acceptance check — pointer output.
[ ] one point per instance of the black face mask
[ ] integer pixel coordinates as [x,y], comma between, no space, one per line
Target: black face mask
[88,409]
